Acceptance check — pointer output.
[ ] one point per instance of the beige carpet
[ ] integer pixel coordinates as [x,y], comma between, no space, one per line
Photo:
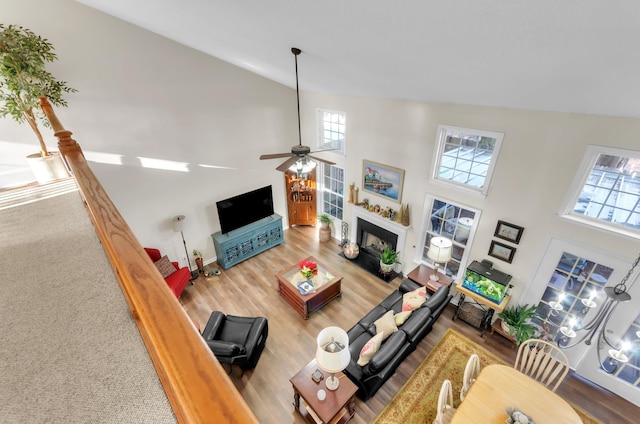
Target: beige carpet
[70,350]
[416,401]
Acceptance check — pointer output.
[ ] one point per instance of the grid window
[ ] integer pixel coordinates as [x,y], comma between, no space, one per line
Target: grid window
[332,128]
[574,278]
[333,191]
[466,157]
[455,222]
[630,371]
[609,193]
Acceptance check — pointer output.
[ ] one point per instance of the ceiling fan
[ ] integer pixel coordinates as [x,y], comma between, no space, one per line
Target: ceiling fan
[300,155]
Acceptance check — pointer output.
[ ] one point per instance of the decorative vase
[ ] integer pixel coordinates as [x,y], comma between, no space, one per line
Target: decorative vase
[386,268]
[200,264]
[351,250]
[325,233]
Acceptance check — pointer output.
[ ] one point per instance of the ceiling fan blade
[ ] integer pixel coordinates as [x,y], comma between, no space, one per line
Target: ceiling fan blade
[275,156]
[324,150]
[287,163]
[328,162]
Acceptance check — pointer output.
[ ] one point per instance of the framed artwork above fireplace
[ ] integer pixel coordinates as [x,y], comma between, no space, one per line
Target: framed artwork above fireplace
[382,180]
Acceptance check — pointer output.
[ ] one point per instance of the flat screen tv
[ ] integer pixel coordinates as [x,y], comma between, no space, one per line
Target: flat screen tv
[243,209]
[490,283]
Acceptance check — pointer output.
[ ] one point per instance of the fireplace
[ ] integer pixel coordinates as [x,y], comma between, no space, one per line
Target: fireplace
[373,233]
[373,239]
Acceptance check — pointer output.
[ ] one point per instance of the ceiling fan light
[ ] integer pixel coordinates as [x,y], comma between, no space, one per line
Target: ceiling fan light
[303,165]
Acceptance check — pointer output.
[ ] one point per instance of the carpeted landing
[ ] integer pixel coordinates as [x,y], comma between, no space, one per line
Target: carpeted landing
[417,399]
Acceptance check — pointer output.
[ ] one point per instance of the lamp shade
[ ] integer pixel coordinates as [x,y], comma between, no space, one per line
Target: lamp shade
[178,223]
[440,250]
[332,353]
[304,165]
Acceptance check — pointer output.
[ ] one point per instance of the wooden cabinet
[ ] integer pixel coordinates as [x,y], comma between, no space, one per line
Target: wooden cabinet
[245,242]
[301,198]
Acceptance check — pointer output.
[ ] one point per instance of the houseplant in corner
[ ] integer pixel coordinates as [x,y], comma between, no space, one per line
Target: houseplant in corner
[23,78]
[325,226]
[197,255]
[388,260]
[516,320]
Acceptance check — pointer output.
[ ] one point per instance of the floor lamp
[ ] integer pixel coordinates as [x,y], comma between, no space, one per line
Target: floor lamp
[178,225]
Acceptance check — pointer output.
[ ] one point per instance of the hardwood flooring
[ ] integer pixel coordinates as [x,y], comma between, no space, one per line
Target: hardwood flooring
[250,289]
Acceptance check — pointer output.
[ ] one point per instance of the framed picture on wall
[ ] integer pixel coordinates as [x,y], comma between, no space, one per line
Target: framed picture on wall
[501,251]
[507,231]
[382,180]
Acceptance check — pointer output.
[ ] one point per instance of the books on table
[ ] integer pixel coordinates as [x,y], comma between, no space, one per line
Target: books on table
[306,287]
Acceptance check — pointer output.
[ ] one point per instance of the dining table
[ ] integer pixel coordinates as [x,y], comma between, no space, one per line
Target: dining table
[499,387]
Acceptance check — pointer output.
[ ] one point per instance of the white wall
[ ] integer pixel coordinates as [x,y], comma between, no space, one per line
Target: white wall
[141,95]
[540,155]
[144,96]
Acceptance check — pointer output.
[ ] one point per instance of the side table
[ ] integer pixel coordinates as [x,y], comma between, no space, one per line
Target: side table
[421,274]
[338,407]
[497,328]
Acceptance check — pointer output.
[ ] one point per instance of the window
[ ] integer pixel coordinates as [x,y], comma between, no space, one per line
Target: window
[331,130]
[455,222]
[573,279]
[332,190]
[606,191]
[466,157]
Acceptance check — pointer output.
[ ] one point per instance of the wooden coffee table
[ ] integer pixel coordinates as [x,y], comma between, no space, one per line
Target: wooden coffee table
[338,407]
[327,283]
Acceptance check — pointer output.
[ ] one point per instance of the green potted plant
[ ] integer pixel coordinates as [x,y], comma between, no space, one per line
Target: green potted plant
[516,320]
[198,257]
[388,259]
[325,220]
[23,78]
[325,226]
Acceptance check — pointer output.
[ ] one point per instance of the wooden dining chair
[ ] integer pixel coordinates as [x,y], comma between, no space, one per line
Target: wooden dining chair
[542,361]
[471,372]
[445,404]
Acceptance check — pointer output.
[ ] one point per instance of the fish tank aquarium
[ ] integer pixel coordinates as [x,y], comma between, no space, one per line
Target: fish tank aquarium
[482,279]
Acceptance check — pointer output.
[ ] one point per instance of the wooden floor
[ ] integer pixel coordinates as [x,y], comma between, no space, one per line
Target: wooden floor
[250,289]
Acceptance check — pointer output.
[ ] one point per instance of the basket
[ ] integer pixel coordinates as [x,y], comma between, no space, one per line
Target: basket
[471,314]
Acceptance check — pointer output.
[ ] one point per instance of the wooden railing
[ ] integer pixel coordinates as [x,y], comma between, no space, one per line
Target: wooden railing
[196,385]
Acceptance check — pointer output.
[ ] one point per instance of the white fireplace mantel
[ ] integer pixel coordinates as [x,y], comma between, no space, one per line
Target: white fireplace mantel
[397,229]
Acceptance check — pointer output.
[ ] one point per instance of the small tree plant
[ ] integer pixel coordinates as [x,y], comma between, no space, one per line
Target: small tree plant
[23,78]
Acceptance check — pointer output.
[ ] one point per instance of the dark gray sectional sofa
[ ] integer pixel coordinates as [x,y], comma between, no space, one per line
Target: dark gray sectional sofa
[399,345]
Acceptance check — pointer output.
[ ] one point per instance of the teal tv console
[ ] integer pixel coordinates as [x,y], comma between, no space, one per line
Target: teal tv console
[243,243]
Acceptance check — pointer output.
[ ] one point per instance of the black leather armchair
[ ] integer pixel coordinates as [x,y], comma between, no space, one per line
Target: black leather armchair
[236,340]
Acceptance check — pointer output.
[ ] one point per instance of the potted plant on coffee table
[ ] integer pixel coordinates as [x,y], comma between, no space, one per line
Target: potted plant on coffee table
[388,260]
[23,78]
[516,320]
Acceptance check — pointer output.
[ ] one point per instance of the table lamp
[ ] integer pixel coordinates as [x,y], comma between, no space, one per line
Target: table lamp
[333,354]
[440,253]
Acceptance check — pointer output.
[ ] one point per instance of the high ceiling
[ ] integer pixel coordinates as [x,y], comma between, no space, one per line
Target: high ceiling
[557,55]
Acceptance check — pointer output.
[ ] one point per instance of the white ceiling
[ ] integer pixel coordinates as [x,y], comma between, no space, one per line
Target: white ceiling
[557,55]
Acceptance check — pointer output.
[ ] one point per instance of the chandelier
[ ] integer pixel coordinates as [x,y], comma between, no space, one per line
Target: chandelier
[616,353]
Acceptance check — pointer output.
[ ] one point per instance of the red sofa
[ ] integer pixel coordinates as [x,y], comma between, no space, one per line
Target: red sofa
[179,279]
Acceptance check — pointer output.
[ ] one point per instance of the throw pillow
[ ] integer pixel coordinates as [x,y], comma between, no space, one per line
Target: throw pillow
[401,317]
[414,299]
[369,349]
[165,266]
[386,324]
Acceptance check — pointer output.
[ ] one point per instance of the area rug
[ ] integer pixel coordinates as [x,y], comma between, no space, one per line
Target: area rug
[417,399]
